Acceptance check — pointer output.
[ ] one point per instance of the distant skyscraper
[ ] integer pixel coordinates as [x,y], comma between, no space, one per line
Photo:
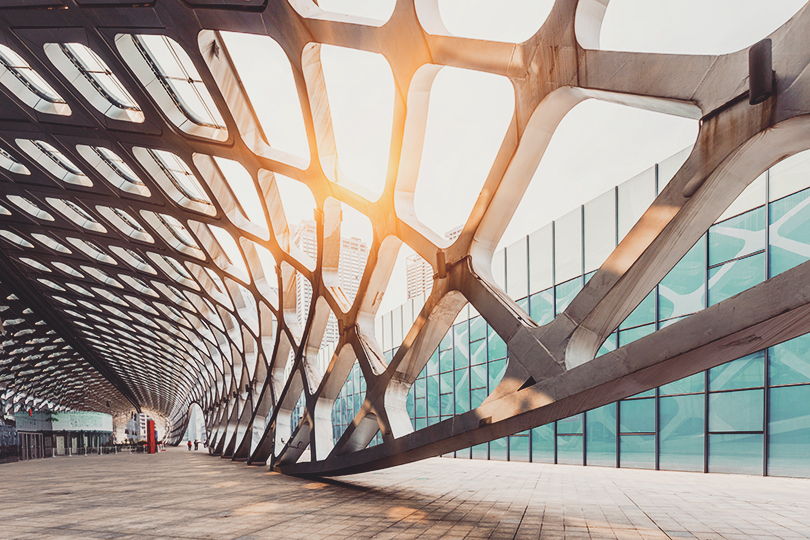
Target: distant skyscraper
[352,263]
[419,273]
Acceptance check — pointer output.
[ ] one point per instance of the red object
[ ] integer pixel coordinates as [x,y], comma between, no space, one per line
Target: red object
[151,442]
[30,412]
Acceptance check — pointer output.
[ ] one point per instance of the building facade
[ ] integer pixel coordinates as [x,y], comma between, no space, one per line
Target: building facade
[748,416]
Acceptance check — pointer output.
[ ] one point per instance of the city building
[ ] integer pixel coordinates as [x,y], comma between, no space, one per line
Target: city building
[419,274]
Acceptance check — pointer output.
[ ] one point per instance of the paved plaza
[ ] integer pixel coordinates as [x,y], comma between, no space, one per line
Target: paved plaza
[178,494]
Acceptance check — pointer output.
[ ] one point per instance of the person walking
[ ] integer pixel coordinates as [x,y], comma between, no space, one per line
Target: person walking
[189,446]
[196,444]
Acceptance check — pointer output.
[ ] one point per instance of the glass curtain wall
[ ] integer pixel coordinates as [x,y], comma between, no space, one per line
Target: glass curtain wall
[750,416]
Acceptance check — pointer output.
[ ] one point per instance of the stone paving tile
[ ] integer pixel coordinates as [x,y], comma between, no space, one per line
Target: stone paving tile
[177,494]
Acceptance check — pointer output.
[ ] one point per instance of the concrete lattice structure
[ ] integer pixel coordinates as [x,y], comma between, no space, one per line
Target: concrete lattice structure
[131,242]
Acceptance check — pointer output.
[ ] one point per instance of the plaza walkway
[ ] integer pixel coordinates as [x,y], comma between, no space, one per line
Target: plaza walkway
[181,494]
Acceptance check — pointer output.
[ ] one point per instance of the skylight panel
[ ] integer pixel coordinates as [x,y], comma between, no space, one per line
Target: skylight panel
[169,75]
[8,162]
[25,83]
[29,207]
[49,242]
[54,162]
[15,239]
[125,223]
[76,214]
[113,169]
[91,76]
[176,179]
[91,250]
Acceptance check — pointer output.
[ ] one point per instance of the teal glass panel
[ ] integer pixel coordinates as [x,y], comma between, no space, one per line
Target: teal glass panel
[643,314]
[519,447]
[461,345]
[588,276]
[446,361]
[631,335]
[496,346]
[790,361]
[570,426]
[420,423]
[646,393]
[433,395]
[463,454]
[432,367]
[789,431]
[496,370]
[448,405]
[669,322]
[523,303]
[498,449]
[419,387]
[478,352]
[566,292]
[569,449]
[478,328]
[478,378]
[477,397]
[432,420]
[683,290]
[446,383]
[480,451]
[737,236]
[745,372]
[543,444]
[735,453]
[681,432]
[462,390]
[608,345]
[420,411]
[541,306]
[637,416]
[637,451]
[447,341]
[409,405]
[789,232]
[735,277]
[600,433]
[688,385]
[740,410]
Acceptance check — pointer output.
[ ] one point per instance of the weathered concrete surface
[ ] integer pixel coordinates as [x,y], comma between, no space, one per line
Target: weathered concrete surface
[177,494]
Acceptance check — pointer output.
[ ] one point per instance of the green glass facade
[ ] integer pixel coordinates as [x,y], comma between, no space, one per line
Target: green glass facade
[750,416]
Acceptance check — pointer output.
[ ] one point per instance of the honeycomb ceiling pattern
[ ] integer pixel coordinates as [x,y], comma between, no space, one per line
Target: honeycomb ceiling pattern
[122,217]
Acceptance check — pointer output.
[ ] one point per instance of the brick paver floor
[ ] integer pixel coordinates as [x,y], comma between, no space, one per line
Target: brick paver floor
[181,494]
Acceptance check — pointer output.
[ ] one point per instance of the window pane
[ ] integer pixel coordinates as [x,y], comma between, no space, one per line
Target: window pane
[735,277]
[790,361]
[741,410]
[496,370]
[569,449]
[745,372]
[461,346]
[462,393]
[519,448]
[681,432]
[480,451]
[732,453]
[635,196]
[540,261]
[643,314]
[600,229]
[570,426]
[497,347]
[789,436]
[566,292]
[541,306]
[497,449]
[517,270]
[637,451]
[737,237]
[683,290]
[629,336]
[789,175]
[478,328]
[687,385]
[637,416]
[789,232]
[543,444]
[600,430]
[568,246]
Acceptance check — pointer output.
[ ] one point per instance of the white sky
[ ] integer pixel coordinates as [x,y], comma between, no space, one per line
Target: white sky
[596,147]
